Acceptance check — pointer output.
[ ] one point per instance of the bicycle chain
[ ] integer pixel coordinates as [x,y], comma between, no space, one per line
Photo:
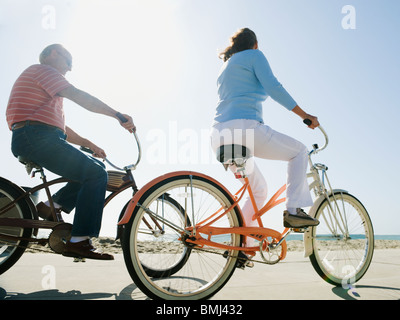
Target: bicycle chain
[231,256]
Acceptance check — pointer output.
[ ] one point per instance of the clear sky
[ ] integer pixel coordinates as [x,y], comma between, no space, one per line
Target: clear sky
[157,61]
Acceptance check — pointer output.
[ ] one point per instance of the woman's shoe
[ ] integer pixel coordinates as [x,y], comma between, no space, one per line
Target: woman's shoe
[243,260]
[299,220]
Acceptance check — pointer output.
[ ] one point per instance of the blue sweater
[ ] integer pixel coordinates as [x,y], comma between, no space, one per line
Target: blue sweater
[244,82]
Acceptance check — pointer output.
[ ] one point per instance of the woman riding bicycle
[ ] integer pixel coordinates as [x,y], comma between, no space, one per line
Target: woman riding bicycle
[244,82]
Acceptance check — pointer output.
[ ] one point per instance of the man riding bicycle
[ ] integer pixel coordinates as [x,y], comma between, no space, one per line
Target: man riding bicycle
[35,115]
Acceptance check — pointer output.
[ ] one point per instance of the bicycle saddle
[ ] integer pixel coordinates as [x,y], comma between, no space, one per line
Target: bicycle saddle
[233,154]
[29,165]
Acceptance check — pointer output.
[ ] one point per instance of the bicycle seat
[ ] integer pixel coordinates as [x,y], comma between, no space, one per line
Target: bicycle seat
[29,165]
[233,154]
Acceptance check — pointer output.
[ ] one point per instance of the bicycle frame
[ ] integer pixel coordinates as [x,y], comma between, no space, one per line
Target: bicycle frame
[37,224]
[259,233]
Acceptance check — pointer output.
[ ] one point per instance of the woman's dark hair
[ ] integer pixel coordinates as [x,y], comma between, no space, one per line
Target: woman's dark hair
[243,39]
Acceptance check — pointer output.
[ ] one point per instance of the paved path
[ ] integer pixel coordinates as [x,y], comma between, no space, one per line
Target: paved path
[50,276]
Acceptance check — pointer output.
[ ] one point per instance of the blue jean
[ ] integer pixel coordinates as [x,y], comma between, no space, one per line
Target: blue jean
[47,147]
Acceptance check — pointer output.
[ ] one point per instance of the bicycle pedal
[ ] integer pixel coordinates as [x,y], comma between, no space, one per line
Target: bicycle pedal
[242,265]
[79,259]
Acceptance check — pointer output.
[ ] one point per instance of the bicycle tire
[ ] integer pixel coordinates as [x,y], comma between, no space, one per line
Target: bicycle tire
[158,273]
[11,251]
[342,247]
[204,273]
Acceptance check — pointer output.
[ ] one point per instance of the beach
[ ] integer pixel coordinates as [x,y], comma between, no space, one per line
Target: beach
[109,245]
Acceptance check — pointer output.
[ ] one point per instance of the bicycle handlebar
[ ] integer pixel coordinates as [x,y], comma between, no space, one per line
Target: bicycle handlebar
[316,149]
[128,167]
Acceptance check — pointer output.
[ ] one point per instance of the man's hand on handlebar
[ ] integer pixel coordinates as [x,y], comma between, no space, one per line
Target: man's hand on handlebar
[94,150]
[98,152]
[126,121]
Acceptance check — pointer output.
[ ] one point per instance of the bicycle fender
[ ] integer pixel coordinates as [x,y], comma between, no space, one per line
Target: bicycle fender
[307,236]
[21,191]
[136,198]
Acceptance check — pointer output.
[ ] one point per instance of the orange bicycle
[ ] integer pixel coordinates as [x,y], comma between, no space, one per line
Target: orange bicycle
[196,250]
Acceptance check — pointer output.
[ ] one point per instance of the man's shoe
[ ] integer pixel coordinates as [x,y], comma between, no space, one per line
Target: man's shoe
[84,249]
[44,212]
[299,220]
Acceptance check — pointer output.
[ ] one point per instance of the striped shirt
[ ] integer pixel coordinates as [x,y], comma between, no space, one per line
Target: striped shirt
[34,97]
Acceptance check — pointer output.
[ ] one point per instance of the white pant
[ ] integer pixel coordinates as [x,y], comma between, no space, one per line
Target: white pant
[265,143]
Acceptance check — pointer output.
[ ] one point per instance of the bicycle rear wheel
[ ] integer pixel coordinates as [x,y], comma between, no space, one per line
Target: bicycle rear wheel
[205,270]
[12,250]
[343,242]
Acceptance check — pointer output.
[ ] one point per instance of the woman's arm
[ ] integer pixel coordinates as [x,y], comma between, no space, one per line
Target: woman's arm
[302,114]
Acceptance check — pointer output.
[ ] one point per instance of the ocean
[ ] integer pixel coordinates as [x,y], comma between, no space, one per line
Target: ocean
[377,237]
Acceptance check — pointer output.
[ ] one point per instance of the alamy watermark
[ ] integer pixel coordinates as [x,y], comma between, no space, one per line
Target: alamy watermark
[49,279]
[190,146]
[349,19]
[48,17]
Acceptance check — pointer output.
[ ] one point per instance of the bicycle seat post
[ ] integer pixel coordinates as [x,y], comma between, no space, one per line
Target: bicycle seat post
[48,193]
[234,155]
[33,168]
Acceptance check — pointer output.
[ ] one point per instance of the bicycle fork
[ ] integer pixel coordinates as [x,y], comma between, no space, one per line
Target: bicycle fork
[334,217]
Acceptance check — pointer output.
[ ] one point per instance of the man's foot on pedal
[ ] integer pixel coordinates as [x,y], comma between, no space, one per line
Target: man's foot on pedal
[299,220]
[84,249]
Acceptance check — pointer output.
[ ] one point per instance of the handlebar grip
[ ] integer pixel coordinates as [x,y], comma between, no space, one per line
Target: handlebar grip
[121,117]
[86,150]
[307,122]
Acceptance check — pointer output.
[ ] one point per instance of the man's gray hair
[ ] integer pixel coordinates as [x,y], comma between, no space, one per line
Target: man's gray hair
[46,51]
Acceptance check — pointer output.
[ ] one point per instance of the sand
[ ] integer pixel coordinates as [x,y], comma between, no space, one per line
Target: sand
[109,245]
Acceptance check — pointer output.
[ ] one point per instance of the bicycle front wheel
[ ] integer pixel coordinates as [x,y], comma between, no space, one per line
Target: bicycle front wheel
[205,270]
[343,242]
[11,248]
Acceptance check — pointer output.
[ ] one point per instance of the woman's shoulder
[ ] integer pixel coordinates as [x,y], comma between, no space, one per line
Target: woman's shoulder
[250,54]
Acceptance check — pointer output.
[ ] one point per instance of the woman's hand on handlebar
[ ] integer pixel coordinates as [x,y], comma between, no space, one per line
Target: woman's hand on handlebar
[312,124]
[314,121]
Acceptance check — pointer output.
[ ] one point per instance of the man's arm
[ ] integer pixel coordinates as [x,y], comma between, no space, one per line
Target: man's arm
[93,104]
[74,138]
